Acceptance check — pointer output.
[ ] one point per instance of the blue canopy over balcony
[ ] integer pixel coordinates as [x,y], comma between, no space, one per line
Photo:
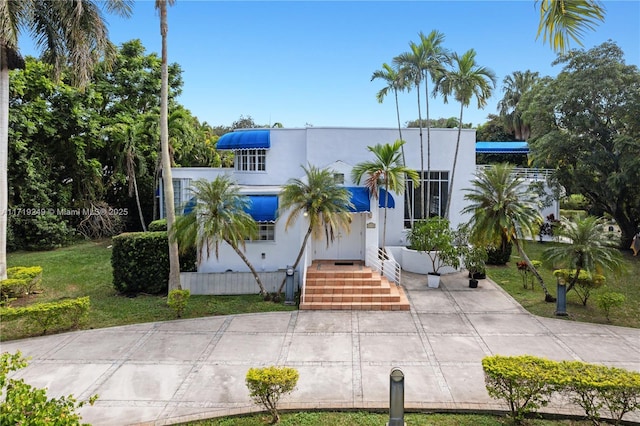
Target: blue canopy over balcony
[245,139]
[360,199]
[518,147]
[263,208]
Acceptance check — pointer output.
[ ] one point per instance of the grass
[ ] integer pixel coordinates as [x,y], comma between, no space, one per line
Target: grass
[84,269]
[628,315]
[360,418]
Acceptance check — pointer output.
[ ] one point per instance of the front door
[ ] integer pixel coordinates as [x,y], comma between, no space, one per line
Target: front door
[346,245]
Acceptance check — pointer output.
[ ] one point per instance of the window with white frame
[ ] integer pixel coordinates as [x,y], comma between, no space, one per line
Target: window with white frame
[251,160]
[266,231]
[181,196]
[439,191]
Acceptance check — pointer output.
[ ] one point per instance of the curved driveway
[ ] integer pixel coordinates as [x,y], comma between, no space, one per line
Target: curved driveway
[161,373]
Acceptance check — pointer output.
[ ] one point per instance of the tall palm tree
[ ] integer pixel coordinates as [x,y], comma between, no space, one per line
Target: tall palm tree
[387,171]
[502,208]
[323,203]
[411,65]
[514,87]
[218,216]
[591,248]
[562,20]
[436,57]
[396,83]
[466,80]
[71,33]
[174,260]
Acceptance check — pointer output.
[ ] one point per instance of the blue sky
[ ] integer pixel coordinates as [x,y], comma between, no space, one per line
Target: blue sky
[311,61]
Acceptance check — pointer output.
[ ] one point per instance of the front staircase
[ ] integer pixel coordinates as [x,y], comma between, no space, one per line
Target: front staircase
[348,285]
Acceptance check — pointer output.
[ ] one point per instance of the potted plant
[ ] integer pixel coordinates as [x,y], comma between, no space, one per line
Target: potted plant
[435,238]
[474,260]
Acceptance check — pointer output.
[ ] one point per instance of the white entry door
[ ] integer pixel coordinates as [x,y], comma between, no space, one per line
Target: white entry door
[347,246]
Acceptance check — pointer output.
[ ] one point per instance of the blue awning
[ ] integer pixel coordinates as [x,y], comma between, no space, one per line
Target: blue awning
[360,199]
[245,139]
[502,148]
[191,204]
[263,208]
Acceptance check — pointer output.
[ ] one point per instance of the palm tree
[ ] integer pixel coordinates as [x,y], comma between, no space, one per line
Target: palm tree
[218,216]
[514,87]
[502,209]
[561,20]
[319,199]
[396,83]
[436,57]
[174,260]
[465,81]
[387,171]
[70,33]
[591,248]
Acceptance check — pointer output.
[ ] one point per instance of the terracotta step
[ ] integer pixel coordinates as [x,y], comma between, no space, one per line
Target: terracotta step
[313,273]
[320,282]
[344,289]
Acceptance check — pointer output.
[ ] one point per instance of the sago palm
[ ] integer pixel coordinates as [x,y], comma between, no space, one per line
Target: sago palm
[387,171]
[219,215]
[591,248]
[466,80]
[70,34]
[501,207]
[321,201]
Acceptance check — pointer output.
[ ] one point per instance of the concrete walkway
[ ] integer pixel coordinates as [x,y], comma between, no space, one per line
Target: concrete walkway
[162,373]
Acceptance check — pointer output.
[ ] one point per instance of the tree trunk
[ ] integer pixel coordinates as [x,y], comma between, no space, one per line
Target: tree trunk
[300,253]
[135,189]
[174,260]
[428,179]
[263,291]
[4,158]
[547,296]
[422,209]
[455,162]
[404,162]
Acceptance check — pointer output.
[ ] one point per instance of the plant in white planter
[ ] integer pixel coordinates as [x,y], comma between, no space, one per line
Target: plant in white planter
[435,238]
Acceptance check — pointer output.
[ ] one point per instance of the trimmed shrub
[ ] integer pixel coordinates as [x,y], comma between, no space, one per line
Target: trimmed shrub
[584,284]
[177,300]
[267,385]
[24,404]
[158,225]
[53,315]
[609,300]
[31,274]
[499,255]
[524,382]
[140,262]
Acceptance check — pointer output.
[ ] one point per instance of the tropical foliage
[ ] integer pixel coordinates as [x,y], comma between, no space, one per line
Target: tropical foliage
[515,86]
[564,20]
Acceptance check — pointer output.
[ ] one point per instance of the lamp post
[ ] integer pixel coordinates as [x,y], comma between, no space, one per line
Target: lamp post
[396,398]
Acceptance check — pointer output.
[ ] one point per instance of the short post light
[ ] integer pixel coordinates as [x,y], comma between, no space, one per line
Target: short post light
[561,301]
[396,398]
[289,291]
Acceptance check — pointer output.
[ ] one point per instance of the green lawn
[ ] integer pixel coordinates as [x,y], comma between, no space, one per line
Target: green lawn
[360,418]
[85,270]
[533,300]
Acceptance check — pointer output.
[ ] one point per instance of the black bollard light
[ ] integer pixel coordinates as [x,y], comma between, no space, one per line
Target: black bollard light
[396,398]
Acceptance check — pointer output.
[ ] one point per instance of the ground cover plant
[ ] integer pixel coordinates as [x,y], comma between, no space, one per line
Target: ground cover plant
[361,418]
[84,269]
[627,314]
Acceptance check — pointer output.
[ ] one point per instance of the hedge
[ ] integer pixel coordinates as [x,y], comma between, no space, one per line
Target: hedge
[140,262]
[20,281]
[527,383]
[53,315]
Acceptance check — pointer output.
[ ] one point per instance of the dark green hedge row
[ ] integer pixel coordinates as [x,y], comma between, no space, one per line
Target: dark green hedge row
[527,383]
[140,262]
[60,315]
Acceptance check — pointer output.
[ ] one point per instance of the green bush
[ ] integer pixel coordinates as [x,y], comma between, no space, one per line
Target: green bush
[140,262]
[524,382]
[499,255]
[53,315]
[40,232]
[32,275]
[583,285]
[177,300]
[24,404]
[527,383]
[574,202]
[609,300]
[267,385]
[573,215]
[158,225]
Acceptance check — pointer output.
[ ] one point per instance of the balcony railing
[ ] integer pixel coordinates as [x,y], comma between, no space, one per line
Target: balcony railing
[535,175]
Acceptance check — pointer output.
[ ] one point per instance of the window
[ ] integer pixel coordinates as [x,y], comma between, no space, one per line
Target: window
[266,231]
[339,178]
[181,196]
[439,187]
[251,160]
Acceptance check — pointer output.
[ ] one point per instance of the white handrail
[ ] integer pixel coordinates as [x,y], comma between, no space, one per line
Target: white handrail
[524,173]
[383,262]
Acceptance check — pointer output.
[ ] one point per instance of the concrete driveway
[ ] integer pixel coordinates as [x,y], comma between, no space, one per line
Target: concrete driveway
[162,373]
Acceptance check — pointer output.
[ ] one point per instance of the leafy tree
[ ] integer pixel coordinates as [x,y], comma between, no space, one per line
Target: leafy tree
[218,216]
[441,123]
[514,87]
[590,249]
[502,211]
[466,80]
[70,34]
[590,133]
[321,201]
[562,20]
[387,171]
[174,260]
